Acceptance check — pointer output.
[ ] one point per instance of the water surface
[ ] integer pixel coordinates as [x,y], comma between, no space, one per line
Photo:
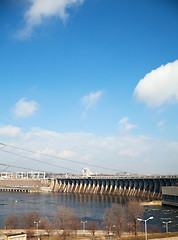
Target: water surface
[88,207]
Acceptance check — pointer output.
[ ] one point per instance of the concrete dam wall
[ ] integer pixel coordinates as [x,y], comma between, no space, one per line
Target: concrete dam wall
[141,187]
[144,187]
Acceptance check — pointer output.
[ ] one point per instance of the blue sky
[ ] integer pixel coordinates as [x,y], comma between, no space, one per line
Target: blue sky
[91,81]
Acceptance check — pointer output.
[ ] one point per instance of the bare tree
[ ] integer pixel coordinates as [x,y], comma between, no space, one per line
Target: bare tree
[63,219]
[47,225]
[108,220]
[118,218]
[28,219]
[92,226]
[113,219]
[30,233]
[11,221]
[76,223]
[134,210]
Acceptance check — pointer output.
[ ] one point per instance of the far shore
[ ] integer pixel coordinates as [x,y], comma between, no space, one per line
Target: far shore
[151,203]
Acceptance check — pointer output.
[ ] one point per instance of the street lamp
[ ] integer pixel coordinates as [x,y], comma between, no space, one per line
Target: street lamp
[139,219]
[167,225]
[83,225]
[37,224]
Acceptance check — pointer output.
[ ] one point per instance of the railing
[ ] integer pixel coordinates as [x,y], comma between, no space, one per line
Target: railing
[116,177]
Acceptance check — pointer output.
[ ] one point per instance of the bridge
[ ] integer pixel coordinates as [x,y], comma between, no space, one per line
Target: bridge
[138,186]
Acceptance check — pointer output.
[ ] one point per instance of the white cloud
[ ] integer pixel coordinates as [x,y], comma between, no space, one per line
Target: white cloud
[10,131]
[159,86]
[25,108]
[124,125]
[47,151]
[40,10]
[129,152]
[122,153]
[173,145]
[67,154]
[160,123]
[91,99]
[40,133]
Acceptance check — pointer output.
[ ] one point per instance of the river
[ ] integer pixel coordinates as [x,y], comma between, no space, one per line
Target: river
[88,207]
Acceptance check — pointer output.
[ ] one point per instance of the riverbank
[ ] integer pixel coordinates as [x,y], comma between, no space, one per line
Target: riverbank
[86,235]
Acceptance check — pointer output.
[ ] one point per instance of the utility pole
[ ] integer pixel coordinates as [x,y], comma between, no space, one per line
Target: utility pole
[145,225]
[167,225]
[83,225]
[37,224]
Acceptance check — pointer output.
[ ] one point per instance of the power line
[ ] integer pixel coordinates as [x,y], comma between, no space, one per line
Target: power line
[63,159]
[51,164]
[2,147]
[9,165]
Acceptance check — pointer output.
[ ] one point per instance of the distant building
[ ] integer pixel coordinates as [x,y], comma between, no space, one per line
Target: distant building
[15,236]
[20,185]
[170,196]
[86,172]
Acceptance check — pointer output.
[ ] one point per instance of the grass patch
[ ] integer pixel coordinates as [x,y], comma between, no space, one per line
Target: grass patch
[150,236]
[101,237]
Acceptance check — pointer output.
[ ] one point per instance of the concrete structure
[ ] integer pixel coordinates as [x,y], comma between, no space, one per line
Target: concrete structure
[148,187]
[19,185]
[170,195]
[142,186]
[22,175]
[15,236]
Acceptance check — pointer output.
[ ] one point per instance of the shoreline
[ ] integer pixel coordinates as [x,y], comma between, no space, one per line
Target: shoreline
[87,233]
[151,203]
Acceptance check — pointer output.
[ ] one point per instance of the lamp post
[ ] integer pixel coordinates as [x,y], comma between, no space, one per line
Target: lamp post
[167,225]
[37,224]
[83,225]
[145,225]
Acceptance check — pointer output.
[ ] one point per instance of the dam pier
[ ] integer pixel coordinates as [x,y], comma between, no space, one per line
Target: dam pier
[147,187]
[137,186]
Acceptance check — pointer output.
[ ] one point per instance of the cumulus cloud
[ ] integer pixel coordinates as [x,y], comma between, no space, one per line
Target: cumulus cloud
[40,133]
[25,108]
[122,153]
[40,10]
[159,86]
[124,125]
[91,99]
[10,131]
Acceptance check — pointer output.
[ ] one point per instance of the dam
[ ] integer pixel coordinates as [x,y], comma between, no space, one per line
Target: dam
[137,186]
[146,187]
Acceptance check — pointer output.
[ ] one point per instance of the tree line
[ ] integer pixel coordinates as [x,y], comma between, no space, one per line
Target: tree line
[116,219]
